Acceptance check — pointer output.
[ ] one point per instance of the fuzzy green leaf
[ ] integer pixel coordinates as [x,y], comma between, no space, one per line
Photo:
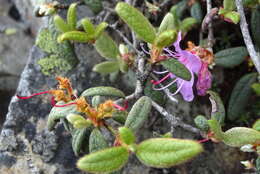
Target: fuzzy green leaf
[126,135]
[78,121]
[96,100]
[176,18]
[167,23]
[139,113]
[100,29]
[59,112]
[104,161]
[187,24]
[229,5]
[123,66]
[179,8]
[106,67]
[177,68]
[97,141]
[88,26]
[60,24]
[136,21]
[256,125]
[232,16]
[196,11]
[120,116]
[79,136]
[218,109]
[72,16]
[107,47]
[167,152]
[77,36]
[255,25]
[240,96]
[231,57]
[95,5]
[166,38]
[202,123]
[103,91]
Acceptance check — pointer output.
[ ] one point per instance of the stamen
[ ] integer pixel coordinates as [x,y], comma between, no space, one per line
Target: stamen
[203,140]
[27,97]
[160,72]
[166,85]
[176,92]
[143,49]
[120,107]
[53,101]
[160,81]
[68,104]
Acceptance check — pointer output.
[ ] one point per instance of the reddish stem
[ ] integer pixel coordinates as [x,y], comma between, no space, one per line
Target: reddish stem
[27,97]
[204,140]
[160,81]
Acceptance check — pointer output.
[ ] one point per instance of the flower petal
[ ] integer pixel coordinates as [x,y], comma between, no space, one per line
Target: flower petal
[186,89]
[204,80]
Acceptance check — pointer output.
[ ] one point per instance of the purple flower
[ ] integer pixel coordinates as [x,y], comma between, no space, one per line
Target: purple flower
[191,62]
[204,80]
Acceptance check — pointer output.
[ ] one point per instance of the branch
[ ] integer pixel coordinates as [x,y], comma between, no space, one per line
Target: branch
[175,121]
[247,39]
[210,29]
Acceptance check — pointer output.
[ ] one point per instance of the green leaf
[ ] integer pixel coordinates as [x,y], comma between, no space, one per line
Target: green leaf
[88,26]
[167,152]
[187,24]
[155,95]
[196,11]
[79,136]
[136,21]
[139,113]
[97,141]
[202,123]
[95,5]
[120,116]
[240,96]
[107,47]
[77,36]
[96,100]
[257,165]
[235,137]
[167,23]
[59,112]
[256,88]
[126,135]
[107,160]
[255,25]
[106,67]
[229,5]
[177,68]
[231,57]
[78,121]
[166,38]
[103,91]
[218,109]
[176,18]
[60,24]
[256,125]
[72,16]
[180,7]
[100,29]
[123,66]
[233,16]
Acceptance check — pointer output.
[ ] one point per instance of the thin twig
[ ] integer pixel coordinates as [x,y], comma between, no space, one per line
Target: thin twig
[210,29]
[175,121]
[247,39]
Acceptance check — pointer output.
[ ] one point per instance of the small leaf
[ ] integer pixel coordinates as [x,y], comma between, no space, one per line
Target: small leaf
[196,11]
[60,24]
[123,66]
[126,135]
[165,39]
[103,91]
[231,57]
[96,100]
[88,26]
[216,129]
[187,24]
[100,29]
[72,16]
[95,5]
[106,67]
[202,123]
[180,7]
[240,96]
[97,141]
[78,138]
[107,160]
[233,16]
[218,109]
[255,25]
[177,68]
[167,152]
[155,95]
[58,113]
[107,47]
[139,113]
[256,88]
[229,5]
[176,18]
[256,125]
[120,116]
[78,121]
[167,23]
[136,21]
[77,36]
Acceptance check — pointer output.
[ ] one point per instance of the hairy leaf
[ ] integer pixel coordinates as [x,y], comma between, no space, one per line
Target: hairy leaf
[218,109]
[240,96]
[78,121]
[139,113]
[167,23]
[177,68]
[88,26]
[103,91]
[166,38]
[167,152]
[104,161]
[187,24]
[78,138]
[106,67]
[77,36]
[120,116]
[100,29]
[72,16]
[97,141]
[196,11]
[202,123]
[60,24]
[231,57]
[136,21]
[95,5]
[126,135]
